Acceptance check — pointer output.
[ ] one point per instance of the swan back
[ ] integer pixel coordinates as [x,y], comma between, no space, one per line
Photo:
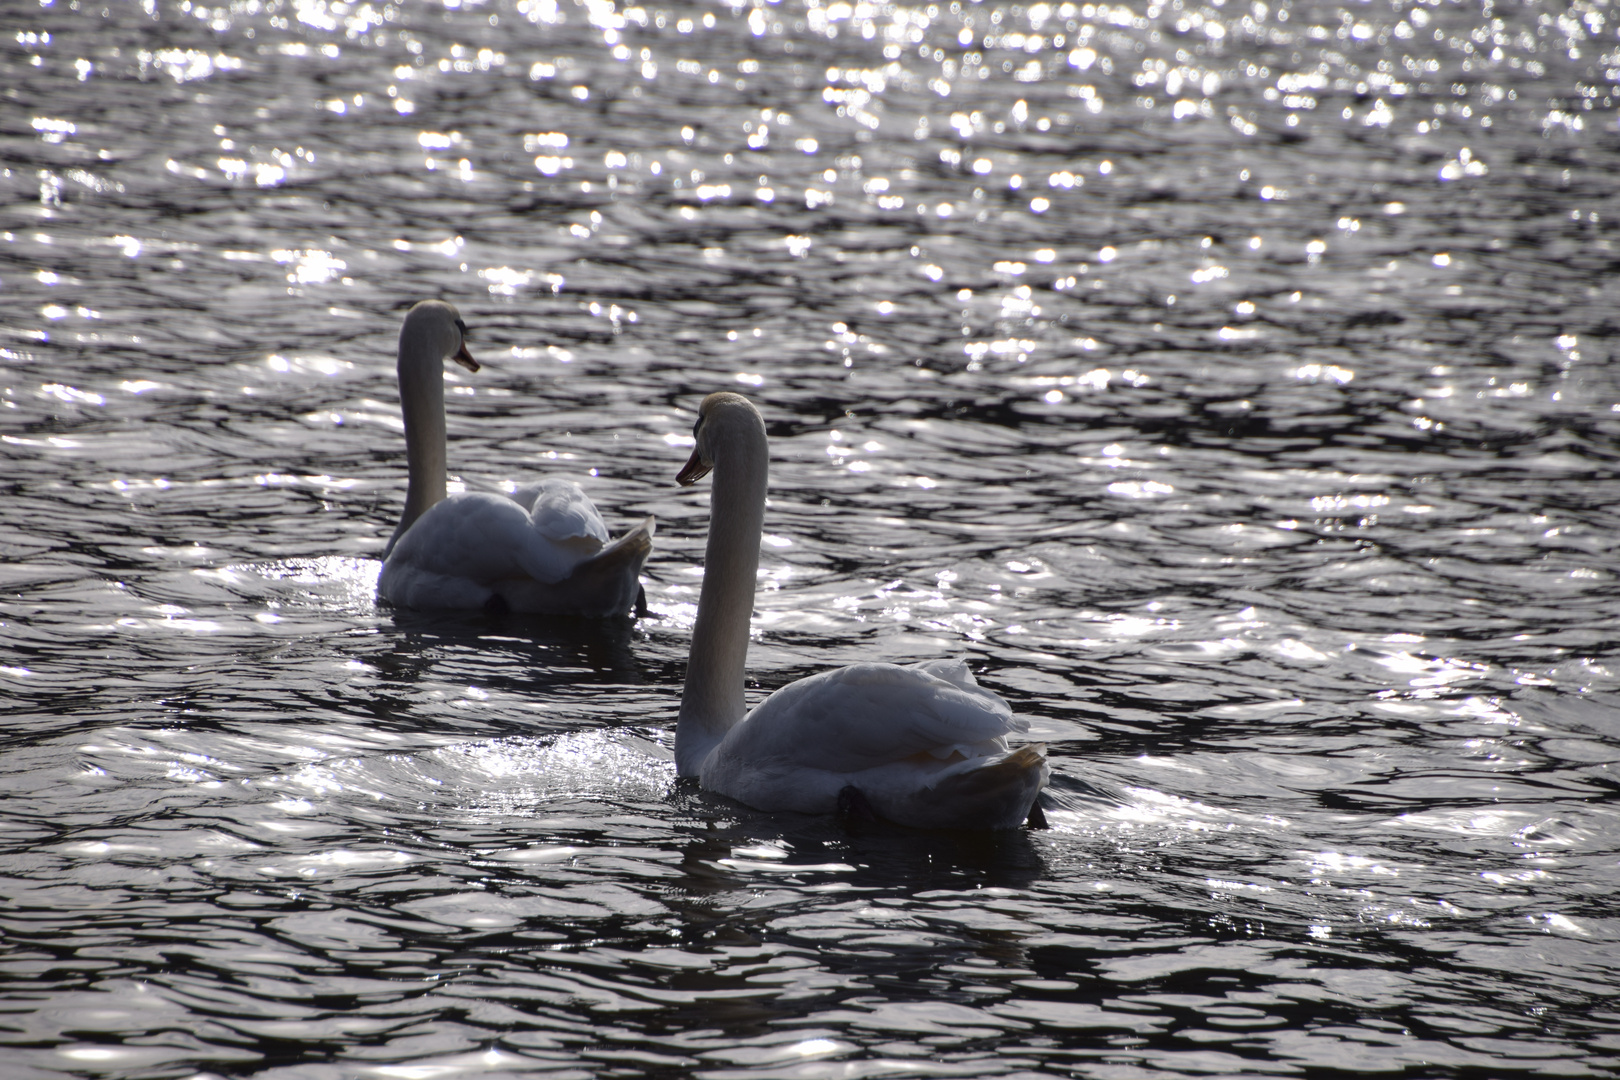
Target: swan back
[854,718]
[483,537]
[561,512]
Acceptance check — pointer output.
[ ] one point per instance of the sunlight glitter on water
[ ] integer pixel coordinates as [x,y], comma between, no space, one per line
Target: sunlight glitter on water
[525,772]
[1365,413]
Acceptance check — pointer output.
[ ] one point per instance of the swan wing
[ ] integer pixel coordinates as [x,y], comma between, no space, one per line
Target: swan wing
[605,584]
[955,671]
[561,512]
[481,538]
[867,715]
[924,746]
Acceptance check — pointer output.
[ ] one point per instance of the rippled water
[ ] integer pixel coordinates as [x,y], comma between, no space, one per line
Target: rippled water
[1234,385]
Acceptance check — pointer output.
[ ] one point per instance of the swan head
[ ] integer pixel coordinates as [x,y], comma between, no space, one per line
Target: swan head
[720,412]
[437,326]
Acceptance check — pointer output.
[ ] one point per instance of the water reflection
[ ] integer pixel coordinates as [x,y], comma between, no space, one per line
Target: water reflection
[545,654]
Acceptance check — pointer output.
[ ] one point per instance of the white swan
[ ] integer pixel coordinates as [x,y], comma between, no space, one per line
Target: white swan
[543,549]
[922,745]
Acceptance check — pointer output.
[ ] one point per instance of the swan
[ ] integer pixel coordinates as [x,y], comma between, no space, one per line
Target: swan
[921,745]
[542,549]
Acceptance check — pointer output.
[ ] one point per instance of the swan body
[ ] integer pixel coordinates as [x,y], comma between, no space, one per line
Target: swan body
[542,549]
[922,745]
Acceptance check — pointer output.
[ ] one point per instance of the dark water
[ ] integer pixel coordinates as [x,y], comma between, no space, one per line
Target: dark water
[1234,385]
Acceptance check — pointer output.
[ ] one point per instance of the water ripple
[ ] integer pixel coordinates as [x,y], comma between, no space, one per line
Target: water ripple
[1229,383]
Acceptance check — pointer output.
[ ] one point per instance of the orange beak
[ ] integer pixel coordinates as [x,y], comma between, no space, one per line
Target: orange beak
[464,358]
[693,471]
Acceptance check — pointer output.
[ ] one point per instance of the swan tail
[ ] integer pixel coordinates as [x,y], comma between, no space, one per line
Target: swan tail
[997,795]
[609,582]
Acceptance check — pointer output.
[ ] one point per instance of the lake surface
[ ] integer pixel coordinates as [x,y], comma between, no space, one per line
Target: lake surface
[1234,385]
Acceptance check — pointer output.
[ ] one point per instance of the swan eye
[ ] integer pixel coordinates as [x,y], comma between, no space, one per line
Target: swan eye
[461,326]
[696,426]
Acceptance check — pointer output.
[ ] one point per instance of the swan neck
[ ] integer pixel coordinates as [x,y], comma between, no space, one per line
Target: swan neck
[421,400]
[712,701]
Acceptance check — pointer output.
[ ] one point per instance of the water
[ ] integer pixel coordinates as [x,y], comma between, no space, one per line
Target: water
[1233,385]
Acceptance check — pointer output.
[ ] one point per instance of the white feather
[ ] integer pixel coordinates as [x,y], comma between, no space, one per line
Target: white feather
[543,549]
[923,745]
